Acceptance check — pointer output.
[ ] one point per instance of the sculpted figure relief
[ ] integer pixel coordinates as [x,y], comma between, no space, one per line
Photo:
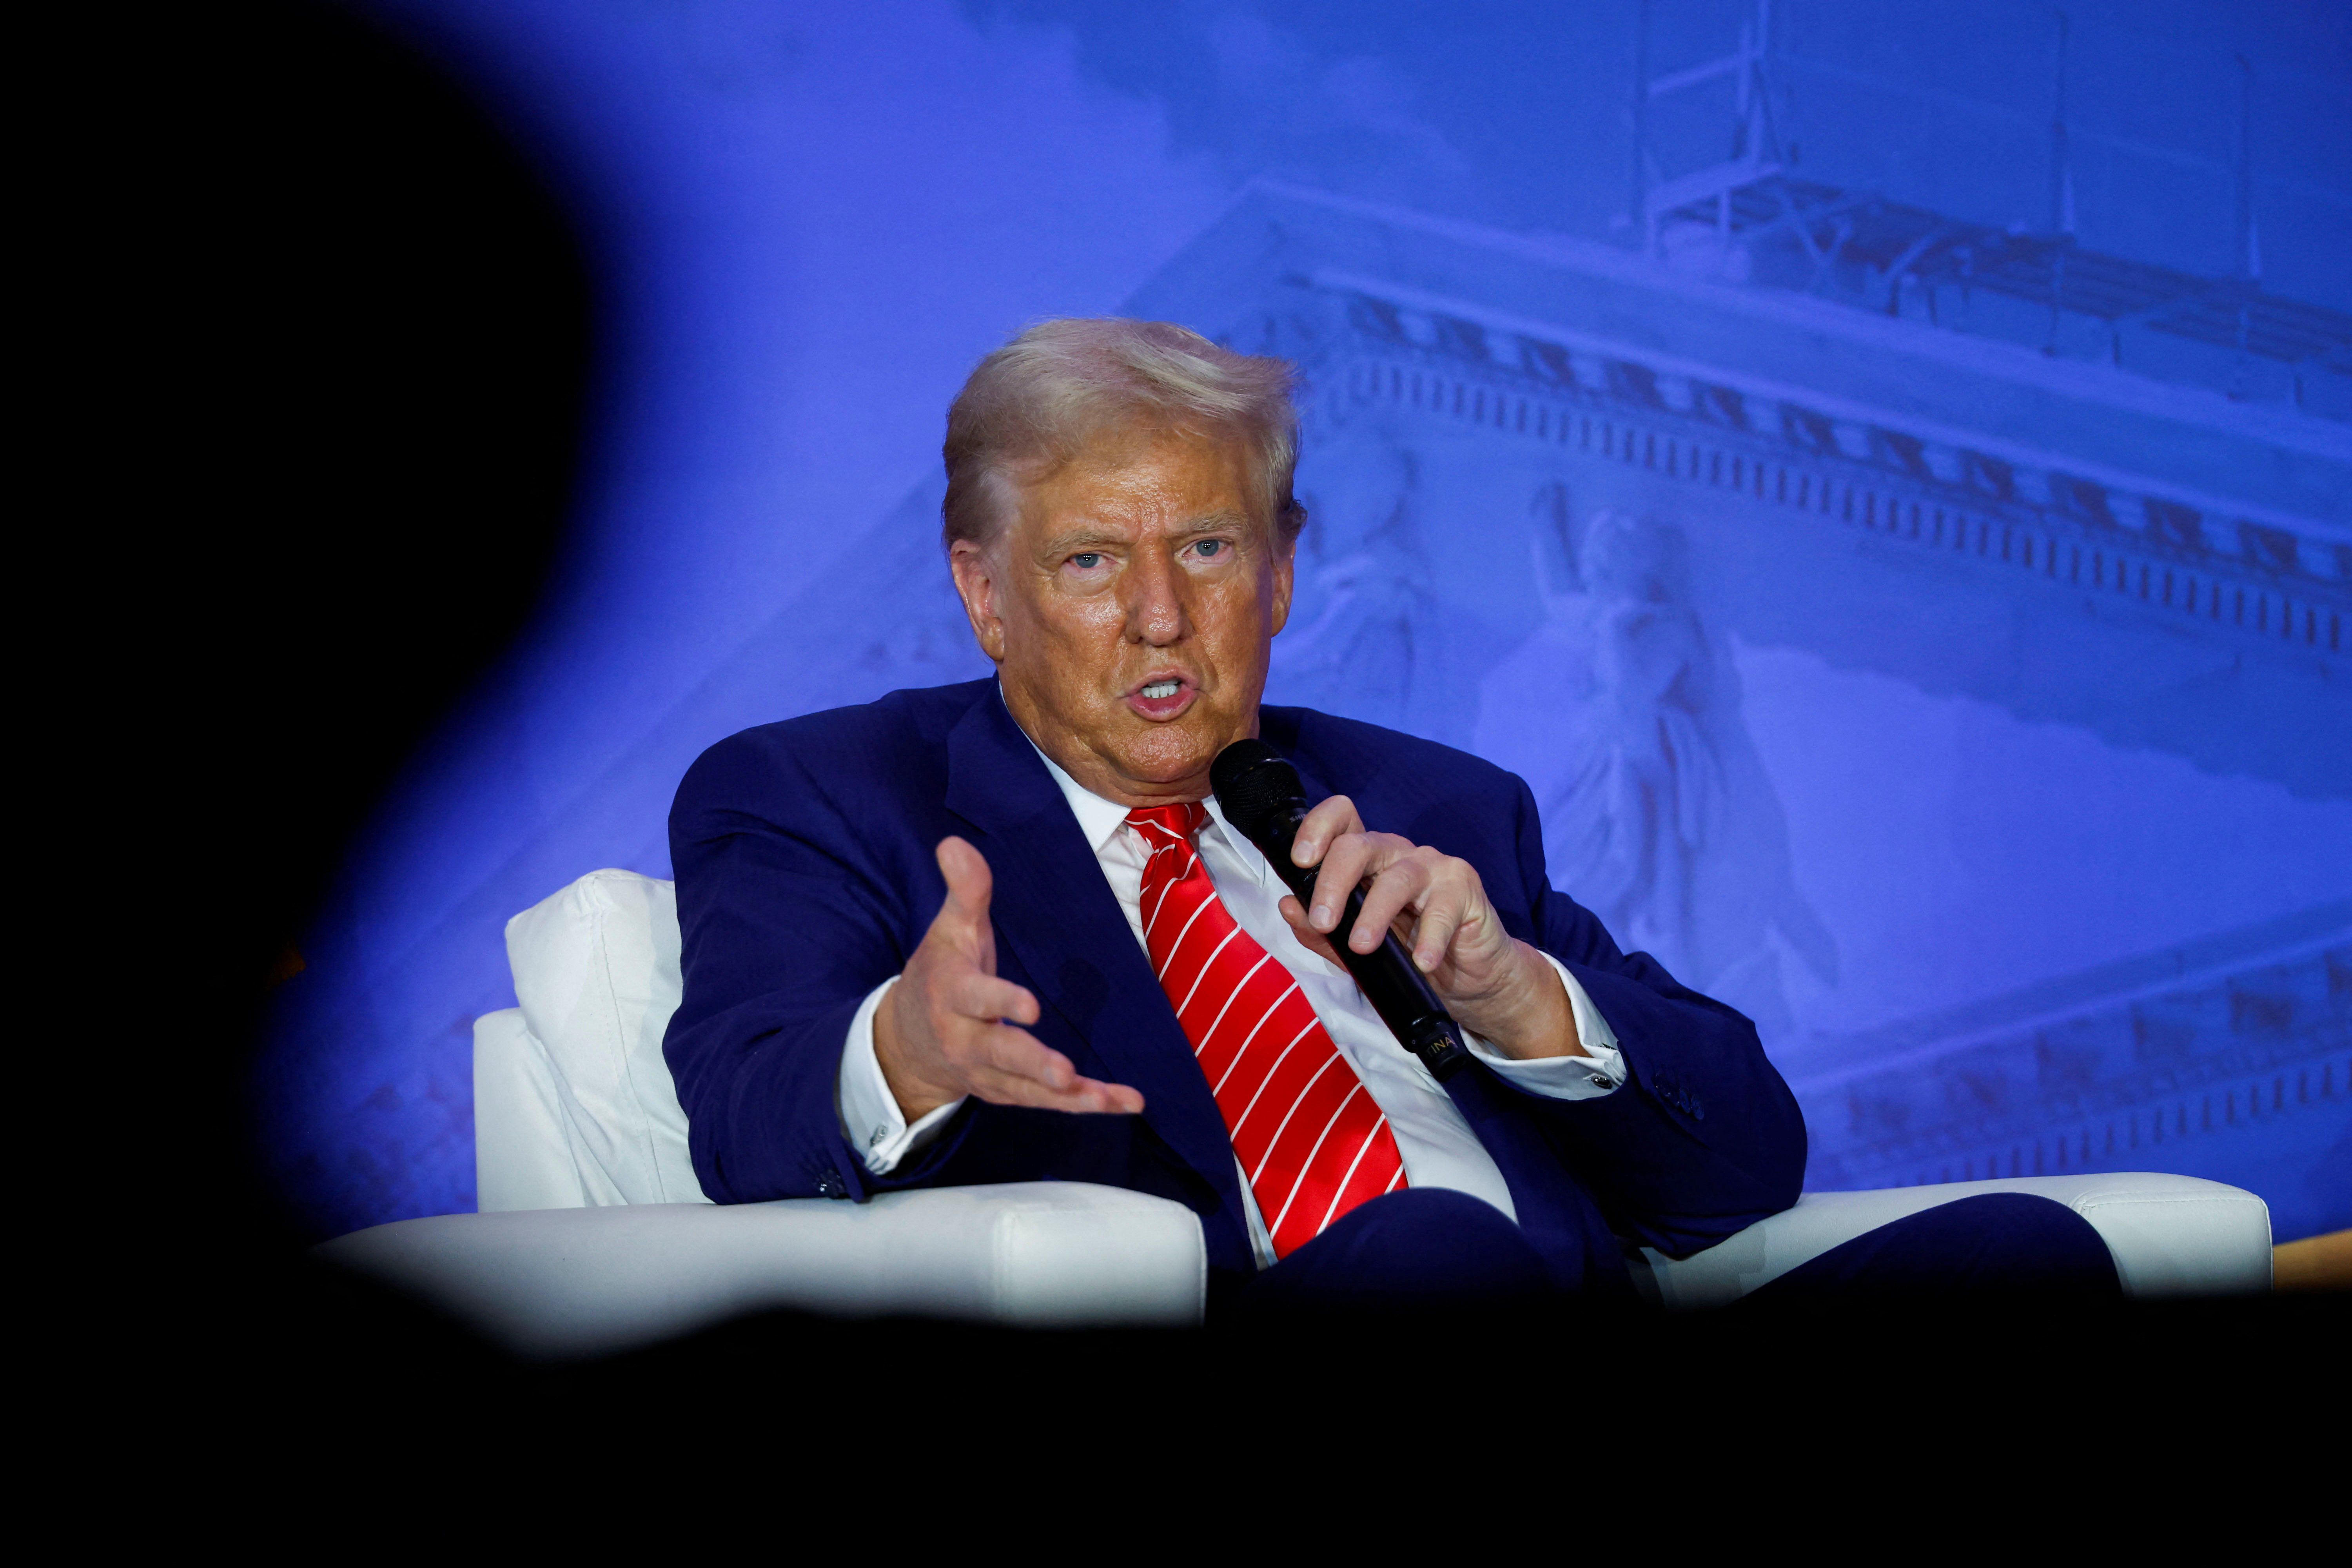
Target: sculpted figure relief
[1358,641]
[1623,717]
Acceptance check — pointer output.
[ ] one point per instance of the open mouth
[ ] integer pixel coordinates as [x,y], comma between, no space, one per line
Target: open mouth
[1162,697]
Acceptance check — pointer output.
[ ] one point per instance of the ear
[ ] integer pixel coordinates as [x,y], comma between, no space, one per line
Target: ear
[976,584]
[1285,576]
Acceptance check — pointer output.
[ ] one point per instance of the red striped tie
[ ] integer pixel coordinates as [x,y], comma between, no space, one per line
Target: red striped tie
[1304,1127]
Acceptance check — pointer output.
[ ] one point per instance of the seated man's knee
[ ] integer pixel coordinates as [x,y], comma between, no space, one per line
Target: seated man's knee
[1989,1243]
[2019,1241]
[1425,1245]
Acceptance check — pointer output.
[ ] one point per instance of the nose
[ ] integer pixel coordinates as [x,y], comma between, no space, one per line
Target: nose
[1156,613]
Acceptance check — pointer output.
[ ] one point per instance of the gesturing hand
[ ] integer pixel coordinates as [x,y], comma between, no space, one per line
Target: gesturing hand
[1495,985]
[948,1028]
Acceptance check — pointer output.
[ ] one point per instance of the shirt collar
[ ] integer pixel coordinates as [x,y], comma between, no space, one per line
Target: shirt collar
[1098,819]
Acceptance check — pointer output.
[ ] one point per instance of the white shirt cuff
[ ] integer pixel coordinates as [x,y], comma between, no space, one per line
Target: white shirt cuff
[870,1117]
[1589,1077]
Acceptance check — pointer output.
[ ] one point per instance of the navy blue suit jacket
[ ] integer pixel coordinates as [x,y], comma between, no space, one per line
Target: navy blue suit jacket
[805,878]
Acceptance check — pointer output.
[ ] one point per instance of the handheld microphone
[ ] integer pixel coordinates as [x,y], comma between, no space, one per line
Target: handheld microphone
[1260,794]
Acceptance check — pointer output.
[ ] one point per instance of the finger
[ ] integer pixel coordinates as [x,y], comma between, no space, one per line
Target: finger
[1326,822]
[1096,1098]
[1441,914]
[1351,859]
[1342,868]
[1016,1056]
[974,994]
[1400,885]
[1314,940]
[1013,1067]
[969,882]
[1003,1050]
[1086,1097]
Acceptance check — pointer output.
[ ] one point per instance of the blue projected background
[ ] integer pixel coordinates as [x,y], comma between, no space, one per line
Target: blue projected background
[1887,482]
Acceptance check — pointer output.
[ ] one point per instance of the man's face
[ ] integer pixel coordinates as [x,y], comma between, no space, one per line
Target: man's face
[1130,609]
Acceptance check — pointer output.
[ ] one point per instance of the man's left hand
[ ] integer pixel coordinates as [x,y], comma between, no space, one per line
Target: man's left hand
[1495,986]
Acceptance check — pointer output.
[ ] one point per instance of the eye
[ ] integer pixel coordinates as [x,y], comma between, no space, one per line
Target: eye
[1208,549]
[1086,560]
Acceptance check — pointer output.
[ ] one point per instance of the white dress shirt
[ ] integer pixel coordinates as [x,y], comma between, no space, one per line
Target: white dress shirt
[1439,1148]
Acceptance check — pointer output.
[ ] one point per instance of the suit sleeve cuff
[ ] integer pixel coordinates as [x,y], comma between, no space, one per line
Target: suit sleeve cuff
[1597,1073]
[870,1118]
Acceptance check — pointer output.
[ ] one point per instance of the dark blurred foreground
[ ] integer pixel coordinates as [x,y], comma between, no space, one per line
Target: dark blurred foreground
[321,340]
[1826,1401]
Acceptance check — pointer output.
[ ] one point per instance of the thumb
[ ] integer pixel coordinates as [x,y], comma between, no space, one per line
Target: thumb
[969,885]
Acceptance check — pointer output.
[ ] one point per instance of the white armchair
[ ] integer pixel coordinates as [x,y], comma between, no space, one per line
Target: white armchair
[594,1234]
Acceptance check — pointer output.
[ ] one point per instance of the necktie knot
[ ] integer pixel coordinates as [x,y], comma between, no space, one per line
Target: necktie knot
[1166,826]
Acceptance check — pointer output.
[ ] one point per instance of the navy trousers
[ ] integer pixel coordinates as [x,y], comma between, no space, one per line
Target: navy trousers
[1428,1246]
[1995,1243]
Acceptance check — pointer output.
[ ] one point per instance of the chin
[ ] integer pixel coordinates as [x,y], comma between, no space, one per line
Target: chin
[1168,753]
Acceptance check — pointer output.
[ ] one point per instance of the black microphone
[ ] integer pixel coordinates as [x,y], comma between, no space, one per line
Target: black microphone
[1260,796]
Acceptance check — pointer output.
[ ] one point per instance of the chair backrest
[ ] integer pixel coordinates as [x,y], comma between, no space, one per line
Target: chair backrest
[573,1105]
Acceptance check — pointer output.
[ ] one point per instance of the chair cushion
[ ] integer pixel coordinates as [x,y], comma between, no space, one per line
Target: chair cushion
[596,972]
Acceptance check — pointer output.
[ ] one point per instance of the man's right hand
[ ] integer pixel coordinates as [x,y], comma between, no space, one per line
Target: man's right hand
[948,1028]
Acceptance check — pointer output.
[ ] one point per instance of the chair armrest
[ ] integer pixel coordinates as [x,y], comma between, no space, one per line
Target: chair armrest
[522,1154]
[2171,1236]
[586,1282]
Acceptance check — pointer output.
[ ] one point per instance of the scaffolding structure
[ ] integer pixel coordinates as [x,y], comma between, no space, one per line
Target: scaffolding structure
[1885,254]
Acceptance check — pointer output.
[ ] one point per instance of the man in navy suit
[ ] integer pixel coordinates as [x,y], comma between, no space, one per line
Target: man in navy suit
[1001,932]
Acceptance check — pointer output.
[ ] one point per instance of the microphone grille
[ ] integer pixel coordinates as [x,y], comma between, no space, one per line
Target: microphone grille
[1253,782]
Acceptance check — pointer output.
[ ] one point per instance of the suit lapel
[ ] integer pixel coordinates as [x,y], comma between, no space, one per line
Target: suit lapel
[1053,907]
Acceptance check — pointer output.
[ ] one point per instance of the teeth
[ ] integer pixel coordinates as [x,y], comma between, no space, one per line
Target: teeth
[1160,689]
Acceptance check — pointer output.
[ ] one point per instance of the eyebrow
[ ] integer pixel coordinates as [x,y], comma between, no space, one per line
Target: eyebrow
[1212,520]
[1078,538]
[1081,537]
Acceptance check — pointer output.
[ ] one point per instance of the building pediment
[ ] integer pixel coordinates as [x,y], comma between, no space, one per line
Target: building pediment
[2088,510]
